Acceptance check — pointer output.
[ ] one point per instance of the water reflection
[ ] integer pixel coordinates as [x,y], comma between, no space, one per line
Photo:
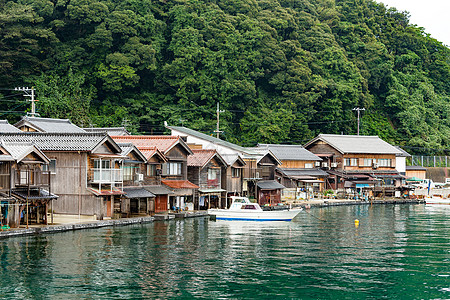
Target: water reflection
[396,252]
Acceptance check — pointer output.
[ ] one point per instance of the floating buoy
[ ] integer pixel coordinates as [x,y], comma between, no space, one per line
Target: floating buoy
[356,223]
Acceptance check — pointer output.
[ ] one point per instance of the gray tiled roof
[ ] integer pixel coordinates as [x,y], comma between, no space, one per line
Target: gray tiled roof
[269,185]
[212,139]
[127,148]
[50,125]
[109,130]
[357,144]
[290,152]
[57,141]
[6,127]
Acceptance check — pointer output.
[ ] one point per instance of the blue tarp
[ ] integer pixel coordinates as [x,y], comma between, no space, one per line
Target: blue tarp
[362,185]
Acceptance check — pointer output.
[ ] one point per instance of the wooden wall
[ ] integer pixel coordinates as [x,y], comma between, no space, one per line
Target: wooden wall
[70,184]
[297,164]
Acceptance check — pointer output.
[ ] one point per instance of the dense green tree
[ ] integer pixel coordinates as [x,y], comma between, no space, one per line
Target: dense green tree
[282,70]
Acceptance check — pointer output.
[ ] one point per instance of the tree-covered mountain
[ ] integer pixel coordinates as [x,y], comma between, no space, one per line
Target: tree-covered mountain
[282,70]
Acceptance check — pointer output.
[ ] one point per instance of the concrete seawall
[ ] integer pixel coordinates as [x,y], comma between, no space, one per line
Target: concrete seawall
[78,226]
[341,202]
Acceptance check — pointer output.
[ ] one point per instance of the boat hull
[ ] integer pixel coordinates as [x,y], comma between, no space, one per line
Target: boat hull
[437,201]
[224,214]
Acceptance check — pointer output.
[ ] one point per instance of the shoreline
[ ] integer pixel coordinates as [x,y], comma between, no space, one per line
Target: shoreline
[165,217]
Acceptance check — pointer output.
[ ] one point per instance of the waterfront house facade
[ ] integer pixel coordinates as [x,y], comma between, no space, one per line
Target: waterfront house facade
[136,200]
[174,171]
[258,179]
[25,186]
[207,169]
[85,170]
[362,163]
[300,171]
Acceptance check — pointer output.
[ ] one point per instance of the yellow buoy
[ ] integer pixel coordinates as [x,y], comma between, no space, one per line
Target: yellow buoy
[356,223]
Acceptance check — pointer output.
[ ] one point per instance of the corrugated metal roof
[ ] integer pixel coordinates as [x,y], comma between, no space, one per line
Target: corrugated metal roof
[290,152]
[200,157]
[50,125]
[158,189]
[415,168]
[269,185]
[35,194]
[230,159]
[303,172]
[57,141]
[212,139]
[6,127]
[109,130]
[180,184]
[357,144]
[135,192]
[162,142]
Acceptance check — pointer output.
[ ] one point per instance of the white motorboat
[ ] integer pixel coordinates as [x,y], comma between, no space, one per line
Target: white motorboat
[437,201]
[242,209]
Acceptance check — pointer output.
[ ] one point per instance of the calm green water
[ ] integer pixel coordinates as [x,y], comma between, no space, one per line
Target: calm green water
[400,252]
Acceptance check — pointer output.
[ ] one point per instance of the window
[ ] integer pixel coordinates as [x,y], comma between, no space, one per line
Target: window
[173,168]
[23,177]
[351,162]
[102,171]
[309,166]
[213,177]
[368,162]
[105,164]
[128,172]
[151,170]
[384,162]
[212,174]
[235,172]
[51,166]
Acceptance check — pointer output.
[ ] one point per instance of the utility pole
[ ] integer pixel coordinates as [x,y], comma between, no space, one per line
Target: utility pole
[217,131]
[358,110]
[29,92]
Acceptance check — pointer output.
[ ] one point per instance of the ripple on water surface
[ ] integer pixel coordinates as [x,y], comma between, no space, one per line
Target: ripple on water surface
[396,252]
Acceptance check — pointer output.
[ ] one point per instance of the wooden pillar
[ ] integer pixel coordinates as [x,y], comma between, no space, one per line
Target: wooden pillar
[37,214]
[112,207]
[46,210]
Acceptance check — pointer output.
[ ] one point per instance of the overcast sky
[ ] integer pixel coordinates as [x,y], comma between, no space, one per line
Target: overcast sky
[433,15]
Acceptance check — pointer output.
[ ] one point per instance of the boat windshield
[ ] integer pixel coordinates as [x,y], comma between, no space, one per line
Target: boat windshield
[237,200]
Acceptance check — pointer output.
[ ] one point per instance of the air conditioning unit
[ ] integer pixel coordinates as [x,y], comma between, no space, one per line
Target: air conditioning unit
[375,165]
[333,165]
[317,163]
[324,165]
[139,177]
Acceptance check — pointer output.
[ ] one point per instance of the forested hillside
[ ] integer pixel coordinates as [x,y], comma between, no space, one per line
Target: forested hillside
[282,70]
